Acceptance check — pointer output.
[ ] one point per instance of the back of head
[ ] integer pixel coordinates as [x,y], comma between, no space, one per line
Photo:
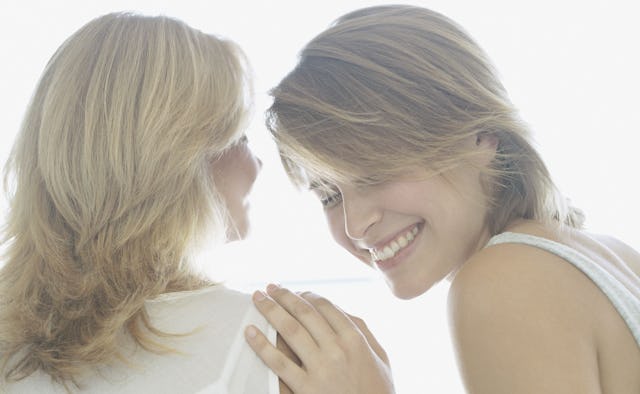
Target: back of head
[389,88]
[112,186]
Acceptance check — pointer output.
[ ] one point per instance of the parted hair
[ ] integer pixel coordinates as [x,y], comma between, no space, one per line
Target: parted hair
[110,188]
[389,88]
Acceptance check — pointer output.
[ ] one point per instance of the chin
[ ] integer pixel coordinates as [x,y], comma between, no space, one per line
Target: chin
[406,291]
[233,238]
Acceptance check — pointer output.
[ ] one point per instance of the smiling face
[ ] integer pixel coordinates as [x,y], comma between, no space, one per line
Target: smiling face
[393,88]
[415,232]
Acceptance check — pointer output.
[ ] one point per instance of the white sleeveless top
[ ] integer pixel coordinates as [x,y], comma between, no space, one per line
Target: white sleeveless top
[627,305]
[213,358]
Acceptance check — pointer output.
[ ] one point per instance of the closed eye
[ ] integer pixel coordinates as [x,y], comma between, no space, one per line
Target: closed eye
[331,200]
[329,195]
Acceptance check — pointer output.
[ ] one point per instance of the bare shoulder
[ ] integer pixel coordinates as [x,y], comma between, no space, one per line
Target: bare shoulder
[521,322]
[518,275]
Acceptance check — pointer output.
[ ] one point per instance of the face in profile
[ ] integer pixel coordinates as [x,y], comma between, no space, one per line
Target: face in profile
[234,174]
[415,231]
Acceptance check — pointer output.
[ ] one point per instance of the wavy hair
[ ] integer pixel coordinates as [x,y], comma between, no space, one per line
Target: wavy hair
[111,188]
[388,88]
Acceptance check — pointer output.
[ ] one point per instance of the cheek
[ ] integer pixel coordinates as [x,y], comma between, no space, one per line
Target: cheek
[335,220]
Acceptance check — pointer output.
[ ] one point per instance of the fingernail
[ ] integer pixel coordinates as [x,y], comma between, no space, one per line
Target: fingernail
[251,332]
[259,295]
[272,287]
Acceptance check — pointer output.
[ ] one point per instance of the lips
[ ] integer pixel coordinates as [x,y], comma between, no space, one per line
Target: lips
[395,246]
[389,263]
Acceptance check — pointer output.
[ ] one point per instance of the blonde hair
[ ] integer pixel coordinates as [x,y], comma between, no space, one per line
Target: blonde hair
[112,188]
[394,87]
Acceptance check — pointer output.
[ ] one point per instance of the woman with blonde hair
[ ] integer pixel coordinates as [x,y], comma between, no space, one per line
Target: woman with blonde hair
[395,117]
[131,154]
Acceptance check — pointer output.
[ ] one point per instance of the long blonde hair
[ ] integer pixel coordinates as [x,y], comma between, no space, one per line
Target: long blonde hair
[112,189]
[388,88]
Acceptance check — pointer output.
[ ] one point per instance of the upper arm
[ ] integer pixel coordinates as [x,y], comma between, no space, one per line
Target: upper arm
[518,325]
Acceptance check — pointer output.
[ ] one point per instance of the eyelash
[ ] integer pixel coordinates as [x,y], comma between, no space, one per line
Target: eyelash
[331,200]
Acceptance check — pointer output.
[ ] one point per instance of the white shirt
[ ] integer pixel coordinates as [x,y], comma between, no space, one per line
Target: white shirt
[213,355]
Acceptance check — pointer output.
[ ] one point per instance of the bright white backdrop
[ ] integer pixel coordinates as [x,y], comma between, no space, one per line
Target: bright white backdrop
[571,67]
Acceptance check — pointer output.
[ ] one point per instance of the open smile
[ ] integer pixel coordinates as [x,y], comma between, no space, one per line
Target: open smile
[380,255]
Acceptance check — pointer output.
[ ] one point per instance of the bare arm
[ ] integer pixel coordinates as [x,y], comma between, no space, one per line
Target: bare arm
[520,325]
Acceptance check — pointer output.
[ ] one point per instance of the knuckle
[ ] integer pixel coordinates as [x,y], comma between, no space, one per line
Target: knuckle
[279,364]
[337,354]
[289,327]
[352,339]
[301,307]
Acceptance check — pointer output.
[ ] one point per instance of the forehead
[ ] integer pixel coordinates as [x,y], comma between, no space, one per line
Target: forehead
[409,174]
[329,176]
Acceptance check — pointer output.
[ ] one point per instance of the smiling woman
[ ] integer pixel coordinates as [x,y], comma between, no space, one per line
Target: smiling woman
[401,116]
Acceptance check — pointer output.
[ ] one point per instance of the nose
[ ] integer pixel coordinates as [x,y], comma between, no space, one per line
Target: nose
[255,168]
[360,213]
[255,161]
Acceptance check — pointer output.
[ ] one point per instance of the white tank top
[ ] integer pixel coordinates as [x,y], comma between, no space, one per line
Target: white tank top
[213,357]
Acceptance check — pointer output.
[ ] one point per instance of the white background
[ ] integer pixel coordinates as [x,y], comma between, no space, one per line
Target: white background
[570,66]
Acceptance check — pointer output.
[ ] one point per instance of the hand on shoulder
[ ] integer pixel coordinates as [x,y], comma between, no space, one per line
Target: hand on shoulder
[337,352]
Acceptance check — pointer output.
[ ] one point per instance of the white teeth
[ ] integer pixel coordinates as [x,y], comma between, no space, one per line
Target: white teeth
[374,255]
[402,241]
[394,246]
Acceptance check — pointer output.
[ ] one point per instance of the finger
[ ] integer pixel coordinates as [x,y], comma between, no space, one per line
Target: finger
[337,319]
[373,342]
[290,329]
[288,371]
[298,307]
